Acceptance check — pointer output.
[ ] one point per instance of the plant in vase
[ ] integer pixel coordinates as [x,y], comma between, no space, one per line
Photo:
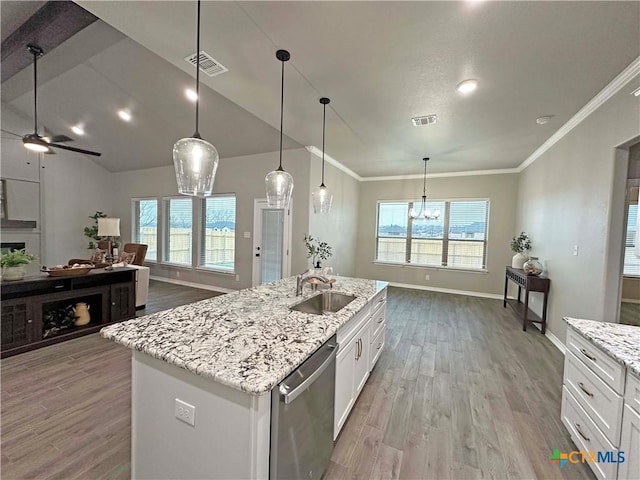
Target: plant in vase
[317,250]
[520,245]
[13,264]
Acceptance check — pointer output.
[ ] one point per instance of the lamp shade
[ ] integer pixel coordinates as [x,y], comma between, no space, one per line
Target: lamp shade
[109,227]
[196,162]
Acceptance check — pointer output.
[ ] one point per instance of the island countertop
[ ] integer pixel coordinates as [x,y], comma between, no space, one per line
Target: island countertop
[248,339]
[621,342]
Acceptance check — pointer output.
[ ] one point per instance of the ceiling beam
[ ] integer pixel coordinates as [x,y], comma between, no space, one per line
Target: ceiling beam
[50,26]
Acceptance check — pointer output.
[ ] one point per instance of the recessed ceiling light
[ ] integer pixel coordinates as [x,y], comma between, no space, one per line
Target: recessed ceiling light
[191,94]
[544,119]
[636,92]
[467,86]
[426,120]
[77,129]
[124,115]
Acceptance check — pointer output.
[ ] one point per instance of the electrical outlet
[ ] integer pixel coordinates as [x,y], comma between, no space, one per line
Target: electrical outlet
[575,250]
[247,234]
[185,412]
[177,274]
[237,278]
[427,277]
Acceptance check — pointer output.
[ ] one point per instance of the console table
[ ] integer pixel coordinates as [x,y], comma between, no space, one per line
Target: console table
[110,295]
[530,283]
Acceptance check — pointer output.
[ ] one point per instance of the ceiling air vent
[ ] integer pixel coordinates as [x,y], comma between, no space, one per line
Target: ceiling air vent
[426,120]
[208,64]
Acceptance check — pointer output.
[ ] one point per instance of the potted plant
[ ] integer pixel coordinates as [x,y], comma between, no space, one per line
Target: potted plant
[520,245]
[92,232]
[13,264]
[317,250]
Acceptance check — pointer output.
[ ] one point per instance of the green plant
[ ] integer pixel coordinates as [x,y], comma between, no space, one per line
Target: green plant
[92,231]
[521,243]
[16,258]
[317,249]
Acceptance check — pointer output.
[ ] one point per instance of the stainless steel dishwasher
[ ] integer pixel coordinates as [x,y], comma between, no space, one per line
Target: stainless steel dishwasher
[302,418]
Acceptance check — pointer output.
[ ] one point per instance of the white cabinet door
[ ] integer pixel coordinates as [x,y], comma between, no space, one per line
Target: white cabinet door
[361,359]
[630,445]
[345,385]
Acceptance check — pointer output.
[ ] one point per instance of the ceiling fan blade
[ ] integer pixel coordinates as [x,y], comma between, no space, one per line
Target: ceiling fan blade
[60,139]
[74,149]
[11,133]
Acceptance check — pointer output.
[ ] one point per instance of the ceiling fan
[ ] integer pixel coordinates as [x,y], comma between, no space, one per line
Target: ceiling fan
[34,141]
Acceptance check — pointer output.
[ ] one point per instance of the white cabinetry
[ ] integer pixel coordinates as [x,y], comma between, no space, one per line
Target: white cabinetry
[360,344]
[597,411]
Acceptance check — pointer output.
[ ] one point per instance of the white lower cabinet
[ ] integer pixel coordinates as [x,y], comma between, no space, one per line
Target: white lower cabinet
[630,444]
[357,354]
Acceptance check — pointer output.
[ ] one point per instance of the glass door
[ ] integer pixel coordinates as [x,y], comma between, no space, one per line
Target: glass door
[270,243]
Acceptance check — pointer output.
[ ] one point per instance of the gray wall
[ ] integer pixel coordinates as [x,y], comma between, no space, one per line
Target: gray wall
[339,227]
[243,176]
[571,196]
[502,194]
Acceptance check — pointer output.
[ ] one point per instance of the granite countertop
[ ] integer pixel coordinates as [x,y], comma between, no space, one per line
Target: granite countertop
[248,339]
[622,342]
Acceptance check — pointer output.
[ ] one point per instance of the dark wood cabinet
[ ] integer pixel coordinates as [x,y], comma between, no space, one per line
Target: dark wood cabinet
[110,296]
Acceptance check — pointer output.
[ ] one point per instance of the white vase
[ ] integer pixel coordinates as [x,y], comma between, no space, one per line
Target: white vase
[518,260]
[13,273]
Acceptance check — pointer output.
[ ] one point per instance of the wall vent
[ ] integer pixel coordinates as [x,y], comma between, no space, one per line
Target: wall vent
[426,120]
[208,64]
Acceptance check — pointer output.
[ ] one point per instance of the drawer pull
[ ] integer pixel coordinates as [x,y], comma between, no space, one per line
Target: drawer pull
[582,387]
[379,346]
[590,357]
[381,320]
[577,425]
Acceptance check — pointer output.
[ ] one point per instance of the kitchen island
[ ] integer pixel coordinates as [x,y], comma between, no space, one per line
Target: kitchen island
[223,356]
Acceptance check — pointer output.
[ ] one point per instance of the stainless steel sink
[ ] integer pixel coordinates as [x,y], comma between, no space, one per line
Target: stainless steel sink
[326,302]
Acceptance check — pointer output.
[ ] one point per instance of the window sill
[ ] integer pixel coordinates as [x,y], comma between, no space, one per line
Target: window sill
[192,268]
[215,270]
[432,267]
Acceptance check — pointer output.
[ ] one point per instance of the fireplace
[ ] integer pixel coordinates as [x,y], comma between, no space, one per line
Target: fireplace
[6,247]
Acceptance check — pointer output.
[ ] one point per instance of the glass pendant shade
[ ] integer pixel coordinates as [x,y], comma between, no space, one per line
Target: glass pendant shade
[196,162]
[279,186]
[322,199]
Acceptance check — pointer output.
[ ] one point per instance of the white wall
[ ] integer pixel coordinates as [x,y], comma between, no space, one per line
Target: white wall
[243,176]
[502,195]
[340,226]
[571,196]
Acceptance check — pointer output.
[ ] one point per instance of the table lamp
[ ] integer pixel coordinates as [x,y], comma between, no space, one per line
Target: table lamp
[109,227]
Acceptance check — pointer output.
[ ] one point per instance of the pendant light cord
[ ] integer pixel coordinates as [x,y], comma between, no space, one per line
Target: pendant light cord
[324,121]
[424,180]
[35,92]
[281,112]
[197,133]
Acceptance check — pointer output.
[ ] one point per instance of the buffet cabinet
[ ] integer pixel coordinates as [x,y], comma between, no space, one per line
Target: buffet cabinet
[360,342]
[601,408]
[109,295]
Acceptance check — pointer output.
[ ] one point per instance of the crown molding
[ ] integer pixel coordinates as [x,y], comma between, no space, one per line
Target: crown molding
[605,94]
[413,176]
[318,153]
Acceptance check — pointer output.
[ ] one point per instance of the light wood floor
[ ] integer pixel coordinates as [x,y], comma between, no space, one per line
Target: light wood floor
[459,392]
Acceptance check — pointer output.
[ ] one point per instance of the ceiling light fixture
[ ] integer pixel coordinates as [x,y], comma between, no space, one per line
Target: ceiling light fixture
[124,115]
[77,129]
[467,86]
[194,159]
[279,184]
[322,198]
[191,94]
[636,92]
[33,141]
[424,212]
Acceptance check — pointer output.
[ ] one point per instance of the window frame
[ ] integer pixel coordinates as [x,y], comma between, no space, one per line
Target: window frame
[166,201]
[443,265]
[201,240]
[135,233]
[632,184]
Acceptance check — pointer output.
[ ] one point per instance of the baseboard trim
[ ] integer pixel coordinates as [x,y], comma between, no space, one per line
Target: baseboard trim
[555,340]
[202,286]
[468,293]
[630,300]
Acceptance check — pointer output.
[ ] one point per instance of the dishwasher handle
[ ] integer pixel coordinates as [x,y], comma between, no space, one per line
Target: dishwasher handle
[291,392]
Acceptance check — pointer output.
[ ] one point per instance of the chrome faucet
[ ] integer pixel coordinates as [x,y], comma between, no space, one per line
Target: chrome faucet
[300,280]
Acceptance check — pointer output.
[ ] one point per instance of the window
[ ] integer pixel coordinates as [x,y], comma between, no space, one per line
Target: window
[178,230]
[218,233]
[146,225]
[631,260]
[458,238]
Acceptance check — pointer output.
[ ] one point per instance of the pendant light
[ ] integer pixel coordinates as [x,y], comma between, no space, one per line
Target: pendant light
[279,184]
[322,198]
[424,212]
[195,160]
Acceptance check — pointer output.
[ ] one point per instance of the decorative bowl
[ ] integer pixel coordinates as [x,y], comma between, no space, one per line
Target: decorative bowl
[68,271]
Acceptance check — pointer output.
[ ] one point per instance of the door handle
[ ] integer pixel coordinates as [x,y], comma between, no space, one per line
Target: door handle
[290,396]
[257,254]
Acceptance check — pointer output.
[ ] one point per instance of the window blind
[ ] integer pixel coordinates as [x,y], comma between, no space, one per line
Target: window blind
[217,249]
[179,230]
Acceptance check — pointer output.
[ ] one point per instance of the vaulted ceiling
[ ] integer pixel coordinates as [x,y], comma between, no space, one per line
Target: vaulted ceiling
[381,63]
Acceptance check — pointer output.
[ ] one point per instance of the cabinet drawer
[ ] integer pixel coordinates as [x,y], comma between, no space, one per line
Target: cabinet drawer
[603,405]
[610,371]
[377,345]
[586,436]
[377,322]
[378,301]
[632,391]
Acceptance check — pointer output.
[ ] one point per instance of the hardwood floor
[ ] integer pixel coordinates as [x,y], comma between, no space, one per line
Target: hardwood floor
[630,313]
[459,392]
[163,295]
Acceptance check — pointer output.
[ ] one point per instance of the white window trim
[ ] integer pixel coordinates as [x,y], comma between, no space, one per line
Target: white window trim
[202,225]
[134,225]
